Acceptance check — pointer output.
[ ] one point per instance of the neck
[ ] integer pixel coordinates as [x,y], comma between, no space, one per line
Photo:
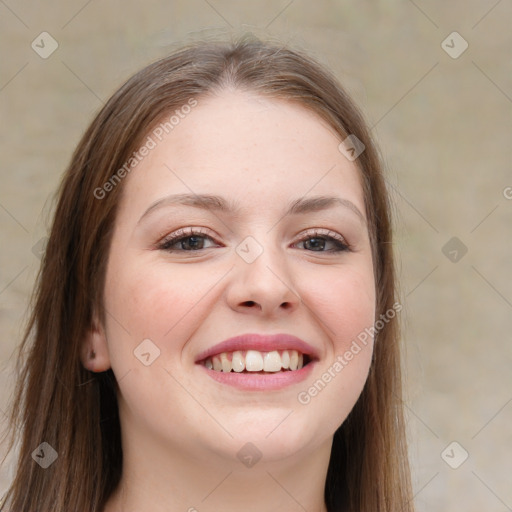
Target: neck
[171,480]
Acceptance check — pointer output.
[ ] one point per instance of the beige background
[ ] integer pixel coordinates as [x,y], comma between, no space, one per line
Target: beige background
[444,127]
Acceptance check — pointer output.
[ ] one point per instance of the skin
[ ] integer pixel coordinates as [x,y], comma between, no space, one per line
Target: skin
[181,430]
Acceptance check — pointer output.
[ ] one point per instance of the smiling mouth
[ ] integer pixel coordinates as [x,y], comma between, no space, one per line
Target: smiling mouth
[254,361]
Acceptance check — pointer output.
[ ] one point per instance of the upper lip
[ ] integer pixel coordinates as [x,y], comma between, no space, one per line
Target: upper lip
[261,343]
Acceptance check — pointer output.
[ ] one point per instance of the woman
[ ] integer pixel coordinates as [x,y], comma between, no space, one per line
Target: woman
[215,321]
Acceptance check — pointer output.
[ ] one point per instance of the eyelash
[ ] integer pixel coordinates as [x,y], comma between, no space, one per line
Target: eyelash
[184,233]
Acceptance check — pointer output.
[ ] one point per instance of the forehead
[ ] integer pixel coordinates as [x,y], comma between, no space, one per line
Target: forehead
[241,144]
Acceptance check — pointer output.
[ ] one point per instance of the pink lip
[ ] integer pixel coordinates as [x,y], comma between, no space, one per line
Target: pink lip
[261,382]
[262,343]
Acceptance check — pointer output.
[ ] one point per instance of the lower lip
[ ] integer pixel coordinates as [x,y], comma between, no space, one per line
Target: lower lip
[261,382]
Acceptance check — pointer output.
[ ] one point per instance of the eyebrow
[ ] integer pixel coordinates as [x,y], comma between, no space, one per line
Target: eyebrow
[302,205]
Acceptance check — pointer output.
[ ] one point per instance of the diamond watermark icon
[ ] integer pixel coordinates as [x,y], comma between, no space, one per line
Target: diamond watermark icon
[147,352]
[249,249]
[351,147]
[454,45]
[39,248]
[45,455]
[454,249]
[454,455]
[44,45]
[249,455]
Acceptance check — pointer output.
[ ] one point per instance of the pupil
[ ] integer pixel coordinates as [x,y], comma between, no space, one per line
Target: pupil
[194,240]
[316,242]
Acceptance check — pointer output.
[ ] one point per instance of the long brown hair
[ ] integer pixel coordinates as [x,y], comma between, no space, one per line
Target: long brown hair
[59,402]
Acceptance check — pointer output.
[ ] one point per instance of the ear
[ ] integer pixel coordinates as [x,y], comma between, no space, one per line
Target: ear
[94,351]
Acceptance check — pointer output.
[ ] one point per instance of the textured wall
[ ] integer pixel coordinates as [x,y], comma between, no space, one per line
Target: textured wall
[441,113]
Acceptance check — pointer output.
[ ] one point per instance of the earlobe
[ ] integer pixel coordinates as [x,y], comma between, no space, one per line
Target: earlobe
[94,354]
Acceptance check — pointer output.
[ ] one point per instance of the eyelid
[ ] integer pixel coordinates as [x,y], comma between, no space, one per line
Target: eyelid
[326,232]
[184,232]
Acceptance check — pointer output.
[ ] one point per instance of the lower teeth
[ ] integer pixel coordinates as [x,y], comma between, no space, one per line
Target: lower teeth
[260,372]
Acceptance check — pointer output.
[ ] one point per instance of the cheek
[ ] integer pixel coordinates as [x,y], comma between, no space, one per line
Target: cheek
[345,309]
[149,301]
[344,302]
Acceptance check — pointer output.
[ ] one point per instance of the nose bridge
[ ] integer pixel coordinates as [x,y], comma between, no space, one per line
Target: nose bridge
[263,273]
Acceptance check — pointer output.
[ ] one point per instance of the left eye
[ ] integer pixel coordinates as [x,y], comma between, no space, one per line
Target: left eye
[318,240]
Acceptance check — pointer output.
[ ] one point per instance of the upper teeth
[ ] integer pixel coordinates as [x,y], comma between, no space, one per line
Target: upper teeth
[254,361]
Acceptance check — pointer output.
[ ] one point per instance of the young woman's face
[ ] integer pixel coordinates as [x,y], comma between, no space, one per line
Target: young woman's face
[258,269]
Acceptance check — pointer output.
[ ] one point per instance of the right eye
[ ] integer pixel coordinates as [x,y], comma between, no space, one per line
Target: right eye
[187,239]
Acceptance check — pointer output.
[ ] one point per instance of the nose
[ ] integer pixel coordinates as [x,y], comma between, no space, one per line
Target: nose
[264,286]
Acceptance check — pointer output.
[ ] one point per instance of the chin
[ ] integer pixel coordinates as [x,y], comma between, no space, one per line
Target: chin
[273,438]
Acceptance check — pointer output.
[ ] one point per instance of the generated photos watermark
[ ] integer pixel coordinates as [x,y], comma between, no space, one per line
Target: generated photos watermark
[156,136]
[304,397]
